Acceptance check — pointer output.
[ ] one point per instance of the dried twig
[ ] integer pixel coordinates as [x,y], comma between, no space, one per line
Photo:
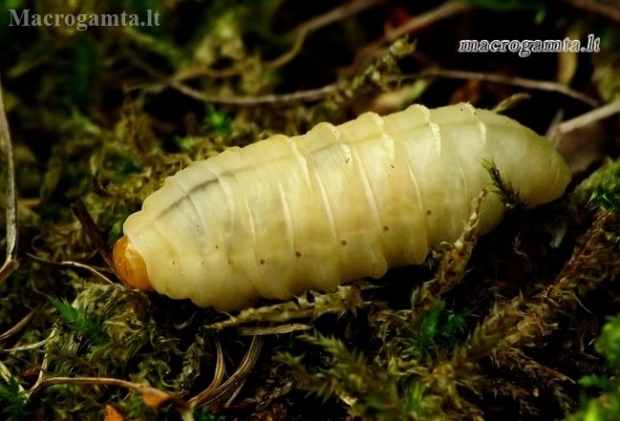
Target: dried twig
[272,330]
[541,85]
[10,262]
[97,271]
[320,93]
[23,322]
[92,231]
[585,119]
[289,98]
[298,34]
[414,24]
[334,15]
[218,376]
[152,397]
[234,381]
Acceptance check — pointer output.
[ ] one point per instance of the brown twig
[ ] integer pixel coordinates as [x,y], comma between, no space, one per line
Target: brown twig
[414,24]
[93,232]
[237,68]
[272,330]
[282,99]
[233,382]
[97,271]
[6,150]
[541,85]
[290,54]
[23,322]
[585,119]
[320,93]
[298,34]
[334,15]
[149,393]
[218,376]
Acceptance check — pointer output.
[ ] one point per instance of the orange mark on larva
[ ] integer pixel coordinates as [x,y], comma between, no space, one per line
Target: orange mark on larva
[130,266]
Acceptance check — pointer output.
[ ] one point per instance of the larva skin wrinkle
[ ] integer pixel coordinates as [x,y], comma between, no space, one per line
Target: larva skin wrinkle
[341,203]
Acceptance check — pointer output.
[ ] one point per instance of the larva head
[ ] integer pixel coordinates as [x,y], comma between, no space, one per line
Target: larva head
[130,265]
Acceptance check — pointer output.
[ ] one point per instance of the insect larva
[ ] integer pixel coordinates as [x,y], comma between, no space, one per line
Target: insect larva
[340,203]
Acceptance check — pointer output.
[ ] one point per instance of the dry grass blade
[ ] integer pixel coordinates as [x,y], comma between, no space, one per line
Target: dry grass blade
[541,85]
[320,93]
[217,377]
[10,262]
[281,99]
[151,396]
[273,330]
[93,232]
[414,24]
[23,322]
[585,119]
[335,15]
[97,271]
[229,387]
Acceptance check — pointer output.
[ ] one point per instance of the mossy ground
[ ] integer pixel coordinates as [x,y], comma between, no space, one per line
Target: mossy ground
[103,115]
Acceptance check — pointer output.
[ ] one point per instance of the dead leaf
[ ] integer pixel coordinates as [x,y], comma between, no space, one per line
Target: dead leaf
[111,414]
[155,398]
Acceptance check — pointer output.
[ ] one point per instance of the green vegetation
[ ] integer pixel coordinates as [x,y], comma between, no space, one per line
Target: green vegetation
[524,325]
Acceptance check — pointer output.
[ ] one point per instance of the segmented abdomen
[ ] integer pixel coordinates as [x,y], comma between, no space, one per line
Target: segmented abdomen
[289,214]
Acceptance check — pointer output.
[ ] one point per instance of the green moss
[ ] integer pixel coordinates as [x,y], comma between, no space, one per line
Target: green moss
[606,406]
[14,404]
[101,115]
[606,190]
[80,321]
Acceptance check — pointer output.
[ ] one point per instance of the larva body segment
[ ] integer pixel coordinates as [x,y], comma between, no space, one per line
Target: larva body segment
[286,215]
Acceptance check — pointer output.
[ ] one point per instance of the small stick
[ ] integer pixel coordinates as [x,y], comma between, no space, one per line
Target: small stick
[93,232]
[334,15]
[149,394]
[541,85]
[23,322]
[416,23]
[585,119]
[320,93]
[234,381]
[10,262]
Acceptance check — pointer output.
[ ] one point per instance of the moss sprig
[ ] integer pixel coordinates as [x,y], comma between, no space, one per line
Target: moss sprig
[606,406]
[14,405]
[606,193]
[80,321]
[503,187]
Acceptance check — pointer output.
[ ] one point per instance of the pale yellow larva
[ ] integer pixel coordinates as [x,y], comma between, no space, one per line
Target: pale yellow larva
[290,214]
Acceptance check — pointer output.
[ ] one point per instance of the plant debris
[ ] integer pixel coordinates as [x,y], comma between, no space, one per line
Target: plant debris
[519,324]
